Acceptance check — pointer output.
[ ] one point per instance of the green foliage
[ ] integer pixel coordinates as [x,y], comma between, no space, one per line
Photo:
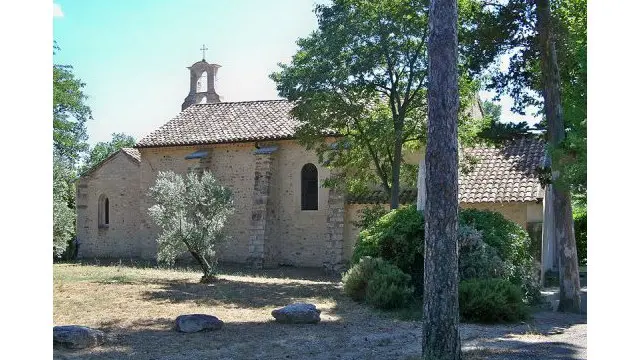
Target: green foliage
[497,132]
[363,75]
[356,279]
[580,228]
[378,282]
[512,244]
[476,259]
[490,246]
[508,238]
[64,216]
[397,237]
[103,150]
[191,211]
[509,29]
[70,112]
[491,301]
[370,215]
[389,288]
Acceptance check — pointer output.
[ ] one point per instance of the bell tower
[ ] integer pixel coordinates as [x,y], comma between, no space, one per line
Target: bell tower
[202,86]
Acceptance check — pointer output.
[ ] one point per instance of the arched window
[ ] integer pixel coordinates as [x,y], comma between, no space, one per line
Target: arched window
[309,188]
[201,85]
[203,100]
[103,211]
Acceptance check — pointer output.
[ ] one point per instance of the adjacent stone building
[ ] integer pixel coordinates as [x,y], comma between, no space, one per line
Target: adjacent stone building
[283,214]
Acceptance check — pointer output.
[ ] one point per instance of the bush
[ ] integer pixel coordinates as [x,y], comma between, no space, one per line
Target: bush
[476,259]
[370,215]
[357,278]
[397,237]
[512,244]
[389,288]
[491,301]
[580,228]
[490,245]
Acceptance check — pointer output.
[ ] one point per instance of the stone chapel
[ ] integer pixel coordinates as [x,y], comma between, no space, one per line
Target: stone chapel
[283,214]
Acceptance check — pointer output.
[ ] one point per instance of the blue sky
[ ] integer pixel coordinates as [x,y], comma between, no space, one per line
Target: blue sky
[133,54]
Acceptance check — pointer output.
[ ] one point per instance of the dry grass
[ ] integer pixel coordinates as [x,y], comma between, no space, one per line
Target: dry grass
[137,308]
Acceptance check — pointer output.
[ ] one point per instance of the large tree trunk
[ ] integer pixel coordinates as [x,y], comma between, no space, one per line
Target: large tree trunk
[564,234]
[440,336]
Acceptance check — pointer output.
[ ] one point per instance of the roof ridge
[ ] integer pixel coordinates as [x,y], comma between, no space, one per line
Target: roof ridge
[243,101]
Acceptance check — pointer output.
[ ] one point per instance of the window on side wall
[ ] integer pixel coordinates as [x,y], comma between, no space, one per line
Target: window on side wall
[103,211]
[309,188]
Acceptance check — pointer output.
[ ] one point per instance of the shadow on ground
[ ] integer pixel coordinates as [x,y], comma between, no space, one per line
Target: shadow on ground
[243,294]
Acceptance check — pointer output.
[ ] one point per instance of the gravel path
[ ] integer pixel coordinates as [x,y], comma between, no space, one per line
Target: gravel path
[550,335]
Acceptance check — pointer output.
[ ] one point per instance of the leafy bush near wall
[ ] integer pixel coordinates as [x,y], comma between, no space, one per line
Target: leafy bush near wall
[476,259]
[580,228]
[389,288]
[512,244]
[370,215]
[491,301]
[378,283]
[507,237]
[397,237]
[356,279]
[491,246]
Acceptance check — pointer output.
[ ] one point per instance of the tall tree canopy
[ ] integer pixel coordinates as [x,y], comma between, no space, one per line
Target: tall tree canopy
[363,73]
[103,150]
[70,112]
[545,42]
[507,29]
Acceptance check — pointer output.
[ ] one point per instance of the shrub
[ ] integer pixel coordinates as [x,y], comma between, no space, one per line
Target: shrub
[580,228]
[356,279]
[397,237]
[389,288]
[491,301]
[369,215]
[476,259]
[512,244]
[507,237]
[490,245]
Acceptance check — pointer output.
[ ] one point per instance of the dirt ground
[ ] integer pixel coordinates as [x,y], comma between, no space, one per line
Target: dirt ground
[137,307]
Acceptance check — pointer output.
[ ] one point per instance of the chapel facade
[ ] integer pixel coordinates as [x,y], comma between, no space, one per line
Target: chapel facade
[283,215]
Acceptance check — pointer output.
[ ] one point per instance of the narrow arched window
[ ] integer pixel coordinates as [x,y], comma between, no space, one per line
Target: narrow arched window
[103,211]
[309,188]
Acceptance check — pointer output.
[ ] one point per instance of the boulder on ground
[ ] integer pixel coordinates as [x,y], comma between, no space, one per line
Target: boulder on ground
[298,313]
[197,322]
[77,337]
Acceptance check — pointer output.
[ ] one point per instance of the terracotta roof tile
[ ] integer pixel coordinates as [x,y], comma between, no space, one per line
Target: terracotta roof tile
[501,174]
[132,152]
[226,122]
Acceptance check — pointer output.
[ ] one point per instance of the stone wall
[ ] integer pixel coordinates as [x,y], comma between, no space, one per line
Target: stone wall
[291,236]
[232,164]
[117,179]
[298,235]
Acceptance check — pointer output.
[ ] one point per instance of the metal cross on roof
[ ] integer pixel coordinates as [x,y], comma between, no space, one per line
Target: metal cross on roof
[203,50]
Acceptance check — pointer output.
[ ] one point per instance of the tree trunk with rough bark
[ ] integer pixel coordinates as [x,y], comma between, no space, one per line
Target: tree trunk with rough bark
[564,233]
[440,335]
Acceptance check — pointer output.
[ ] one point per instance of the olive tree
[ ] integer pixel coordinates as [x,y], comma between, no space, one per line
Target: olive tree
[191,212]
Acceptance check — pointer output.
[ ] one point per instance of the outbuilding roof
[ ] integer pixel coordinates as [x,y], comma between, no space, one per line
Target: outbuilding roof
[507,173]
